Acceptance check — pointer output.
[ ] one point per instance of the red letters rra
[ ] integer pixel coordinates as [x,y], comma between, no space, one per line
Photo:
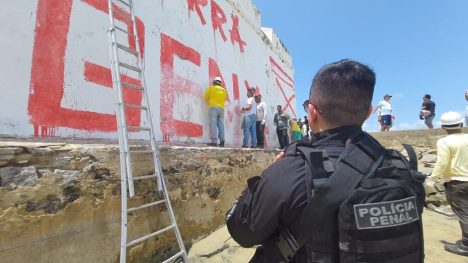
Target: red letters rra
[218,19]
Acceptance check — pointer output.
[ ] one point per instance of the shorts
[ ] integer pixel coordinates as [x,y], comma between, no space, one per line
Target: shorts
[386,120]
[428,119]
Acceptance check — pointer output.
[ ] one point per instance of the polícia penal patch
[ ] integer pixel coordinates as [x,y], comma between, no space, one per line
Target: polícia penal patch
[386,214]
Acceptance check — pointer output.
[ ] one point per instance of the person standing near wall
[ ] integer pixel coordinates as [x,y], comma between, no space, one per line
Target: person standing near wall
[428,110]
[466,108]
[216,96]
[295,131]
[452,165]
[304,130]
[385,110]
[261,120]
[281,121]
[250,119]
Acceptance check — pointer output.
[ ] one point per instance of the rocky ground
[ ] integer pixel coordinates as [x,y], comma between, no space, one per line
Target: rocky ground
[438,229]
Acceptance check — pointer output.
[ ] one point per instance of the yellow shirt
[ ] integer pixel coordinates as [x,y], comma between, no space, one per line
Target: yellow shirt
[452,158]
[295,126]
[216,96]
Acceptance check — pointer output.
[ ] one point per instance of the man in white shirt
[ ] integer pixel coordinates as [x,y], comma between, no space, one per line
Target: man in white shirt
[452,165]
[386,111]
[261,120]
[466,108]
[250,119]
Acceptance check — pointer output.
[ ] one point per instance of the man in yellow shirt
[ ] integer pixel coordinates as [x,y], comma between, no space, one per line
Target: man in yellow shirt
[216,96]
[295,131]
[452,165]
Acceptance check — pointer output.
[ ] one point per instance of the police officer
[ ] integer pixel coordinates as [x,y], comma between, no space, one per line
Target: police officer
[339,103]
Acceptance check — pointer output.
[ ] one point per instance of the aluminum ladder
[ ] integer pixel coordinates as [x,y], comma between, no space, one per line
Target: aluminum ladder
[126,62]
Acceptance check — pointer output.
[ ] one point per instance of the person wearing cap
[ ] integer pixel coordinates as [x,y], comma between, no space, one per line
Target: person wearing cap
[216,96]
[250,119]
[261,120]
[452,165]
[428,110]
[385,110]
[466,107]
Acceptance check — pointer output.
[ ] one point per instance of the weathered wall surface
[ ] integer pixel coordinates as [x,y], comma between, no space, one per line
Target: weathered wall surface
[61,202]
[55,78]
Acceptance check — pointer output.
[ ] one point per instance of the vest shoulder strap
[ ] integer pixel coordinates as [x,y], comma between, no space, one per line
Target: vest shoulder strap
[413,159]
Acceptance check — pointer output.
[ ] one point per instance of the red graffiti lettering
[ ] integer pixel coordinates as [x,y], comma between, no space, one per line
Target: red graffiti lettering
[213,71]
[172,84]
[101,75]
[194,5]
[235,87]
[235,34]
[47,72]
[218,18]
[281,71]
[282,77]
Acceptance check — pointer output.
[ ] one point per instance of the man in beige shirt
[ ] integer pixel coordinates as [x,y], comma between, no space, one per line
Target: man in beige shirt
[452,165]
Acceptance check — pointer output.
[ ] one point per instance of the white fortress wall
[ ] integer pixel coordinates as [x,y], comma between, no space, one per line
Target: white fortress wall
[55,79]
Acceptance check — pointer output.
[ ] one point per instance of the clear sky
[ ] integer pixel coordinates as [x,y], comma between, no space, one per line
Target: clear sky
[414,46]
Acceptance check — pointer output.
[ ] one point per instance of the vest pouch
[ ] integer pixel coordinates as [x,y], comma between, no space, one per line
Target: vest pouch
[381,224]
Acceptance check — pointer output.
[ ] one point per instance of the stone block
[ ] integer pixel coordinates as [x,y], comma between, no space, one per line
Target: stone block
[428,158]
[41,151]
[10,150]
[440,187]
[66,177]
[19,176]
[425,170]
[429,190]
[429,165]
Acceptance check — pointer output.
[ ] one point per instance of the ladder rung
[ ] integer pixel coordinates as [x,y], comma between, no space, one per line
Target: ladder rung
[145,206]
[124,31]
[173,257]
[138,128]
[116,11]
[125,65]
[141,239]
[129,85]
[129,50]
[125,3]
[135,106]
[144,177]
[141,151]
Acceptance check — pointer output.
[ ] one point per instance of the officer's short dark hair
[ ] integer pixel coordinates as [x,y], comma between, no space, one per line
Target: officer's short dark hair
[428,96]
[343,91]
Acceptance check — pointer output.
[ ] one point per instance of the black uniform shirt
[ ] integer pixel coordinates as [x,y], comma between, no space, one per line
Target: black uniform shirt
[272,200]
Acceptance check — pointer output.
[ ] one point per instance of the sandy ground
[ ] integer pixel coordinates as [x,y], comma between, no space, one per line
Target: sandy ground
[438,228]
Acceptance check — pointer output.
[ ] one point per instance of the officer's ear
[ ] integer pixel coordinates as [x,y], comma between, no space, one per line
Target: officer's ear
[369,112]
[313,113]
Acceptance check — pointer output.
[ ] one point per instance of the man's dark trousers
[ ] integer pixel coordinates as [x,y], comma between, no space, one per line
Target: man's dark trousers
[260,134]
[283,137]
[457,196]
